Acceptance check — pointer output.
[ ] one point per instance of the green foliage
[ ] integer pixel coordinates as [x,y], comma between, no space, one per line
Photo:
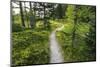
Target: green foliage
[17,18]
[30,47]
[70,13]
[40,25]
[79,51]
[85,14]
[68,28]
[65,43]
[16,27]
[91,36]
[54,24]
[84,48]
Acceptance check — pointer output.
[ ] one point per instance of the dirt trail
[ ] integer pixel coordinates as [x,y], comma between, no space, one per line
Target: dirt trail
[56,56]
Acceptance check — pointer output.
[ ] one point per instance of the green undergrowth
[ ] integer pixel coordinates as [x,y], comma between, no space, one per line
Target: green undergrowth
[30,47]
[78,52]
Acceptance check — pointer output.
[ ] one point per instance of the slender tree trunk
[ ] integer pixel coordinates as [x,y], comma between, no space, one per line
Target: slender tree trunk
[34,9]
[32,16]
[26,14]
[46,22]
[44,16]
[22,15]
[30,8]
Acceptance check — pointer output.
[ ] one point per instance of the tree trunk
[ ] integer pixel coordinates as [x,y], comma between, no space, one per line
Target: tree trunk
[22,15]
[31,16]
[26,15]
[44,16]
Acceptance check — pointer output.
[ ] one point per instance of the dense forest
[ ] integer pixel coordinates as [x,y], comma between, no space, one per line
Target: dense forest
[33,22]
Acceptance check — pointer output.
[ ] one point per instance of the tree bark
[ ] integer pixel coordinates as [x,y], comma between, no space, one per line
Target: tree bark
[26,15]
[22,15]
[31,16]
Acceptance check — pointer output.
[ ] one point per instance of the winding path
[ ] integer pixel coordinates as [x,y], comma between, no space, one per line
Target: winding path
[56,56]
